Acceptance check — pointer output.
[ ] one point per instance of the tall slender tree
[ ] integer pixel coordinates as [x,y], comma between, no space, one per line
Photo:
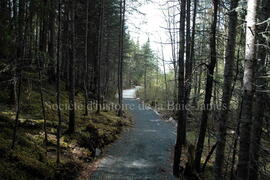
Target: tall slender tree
[260,94]
[227,90]
[100,53]
[248,90]
[188,65]
[208,87]
[121,55]
[51,44]
[86,75]
[192,55]
[181,93]
[164,71]
[18,71]
[58,85]
[71,126]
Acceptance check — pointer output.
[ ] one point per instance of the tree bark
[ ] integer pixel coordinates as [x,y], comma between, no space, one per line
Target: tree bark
[260,102]
[164,72]
[208,88]
[100,54]
[188,77]
[145,81]
[86,61]
[181,94]
[17,73]
[58,86]
[192,52]
[42,100]
[121,56]
[51,46]
[71,125]
[248,90]
[227,91]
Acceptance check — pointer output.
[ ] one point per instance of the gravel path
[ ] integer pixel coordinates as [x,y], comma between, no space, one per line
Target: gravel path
[143,152]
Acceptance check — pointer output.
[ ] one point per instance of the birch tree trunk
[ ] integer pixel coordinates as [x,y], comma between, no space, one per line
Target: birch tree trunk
[261,84]
[248,90]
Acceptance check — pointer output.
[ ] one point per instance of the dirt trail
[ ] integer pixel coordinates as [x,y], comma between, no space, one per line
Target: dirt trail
[143,152]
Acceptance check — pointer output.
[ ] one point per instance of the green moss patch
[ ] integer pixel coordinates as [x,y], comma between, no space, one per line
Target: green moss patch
[31,159]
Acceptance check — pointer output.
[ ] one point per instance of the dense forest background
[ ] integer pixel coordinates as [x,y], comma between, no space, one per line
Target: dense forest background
[62,61]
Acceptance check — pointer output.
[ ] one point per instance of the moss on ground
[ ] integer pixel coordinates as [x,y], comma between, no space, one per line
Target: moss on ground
[30,159]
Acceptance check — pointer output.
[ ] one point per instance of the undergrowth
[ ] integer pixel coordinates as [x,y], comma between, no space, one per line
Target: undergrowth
[31,158]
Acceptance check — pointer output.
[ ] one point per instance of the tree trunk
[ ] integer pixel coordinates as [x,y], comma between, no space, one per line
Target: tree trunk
[100,54]
[208,88]
[145,82]
[188,77]
[198,75]
[192,52]
[248,88]
[17,73]
[181,94]
[121,56]
[261,101]
[227,91]
[86,60]
[51,47]
[42,99]
[164,72]
[71,125]
[58,86]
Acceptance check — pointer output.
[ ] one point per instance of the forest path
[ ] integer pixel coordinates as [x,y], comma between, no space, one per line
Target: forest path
[142,152]
[131,93]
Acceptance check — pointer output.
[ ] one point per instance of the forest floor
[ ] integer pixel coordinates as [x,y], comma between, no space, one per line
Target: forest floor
[143,152]
[29,160]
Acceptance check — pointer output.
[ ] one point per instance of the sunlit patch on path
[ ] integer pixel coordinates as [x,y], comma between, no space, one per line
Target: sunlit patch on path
[130,93]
